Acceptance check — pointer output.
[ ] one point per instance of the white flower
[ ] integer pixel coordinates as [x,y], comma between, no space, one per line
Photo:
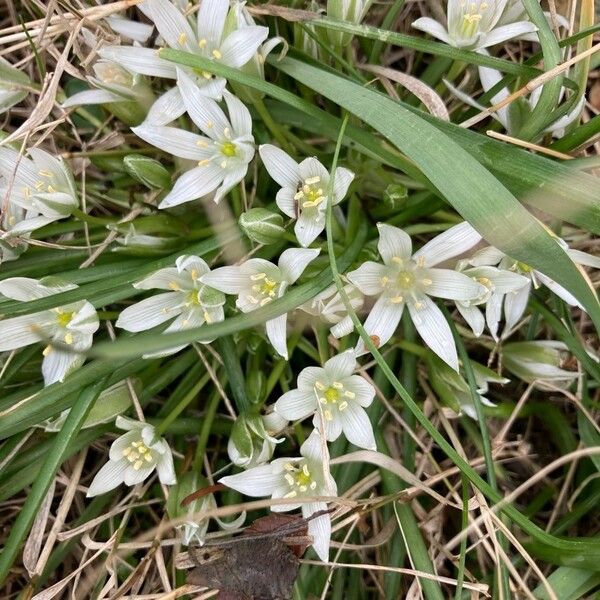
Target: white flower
[505,115]
[303,193]
[132,458]
[497,283]
[350,11]
[307,475]
[336,397]
[252,440]
[188,301]
[258,282]
[223,155]
[403,279]
[474,25]
[206,38]
[515,302]
[114,83]
[11,246]
[13,85]
[73,325]
[42,185]
[328,305]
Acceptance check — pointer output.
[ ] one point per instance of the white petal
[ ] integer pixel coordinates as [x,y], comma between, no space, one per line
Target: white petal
[433,28]
[319,529]
[24,289]
[133,477]
[507,32]
[308,228]
[473,316]
[166,470]
[296,404]
[172,25]
[144,61]
[493,313]
[167,108]
[342,179]
[382,322]
[312,448]
[57,364]
[450,243]
[164,279]
[333,427]
[174,141]
[452,285]
[583,258]
[367,278]
[150,312]
[309,376]
[258,481]
[311,167]
[285,201]
[239,46]
[231,179]
[239,115]
[393,242]
[229,280]
[342,328]
[434,329]
[503,281]
[558,290]
[281,167]
[20,331]
[107,478]
[193,184]
[293,261]
[138,32]
[204,111]
[515,304]
[277,334]
[365,392]
[341,366]
[91,97]
[357,426]
[211,20]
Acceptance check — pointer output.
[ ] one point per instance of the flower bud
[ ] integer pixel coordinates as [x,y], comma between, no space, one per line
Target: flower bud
[251,442]
[13,84]
[539,362]
[147,171]
[256,386]
[262,225]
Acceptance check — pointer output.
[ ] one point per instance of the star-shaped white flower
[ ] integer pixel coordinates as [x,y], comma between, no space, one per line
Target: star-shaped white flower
[515,302]
[133,457]
[72,325]
[474,25]
[410,279]
[188,301]
[497,283]
[208,38]
[258,282]
[42,185]
[223,152]
[328,305]
[336,397]
[307,475]
[303,193]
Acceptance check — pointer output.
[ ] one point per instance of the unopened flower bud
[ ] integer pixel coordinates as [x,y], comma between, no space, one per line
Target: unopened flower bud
[147,171]
[262,225]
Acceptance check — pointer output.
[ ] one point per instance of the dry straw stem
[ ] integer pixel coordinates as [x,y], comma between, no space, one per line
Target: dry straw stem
[523,144]
[531,85]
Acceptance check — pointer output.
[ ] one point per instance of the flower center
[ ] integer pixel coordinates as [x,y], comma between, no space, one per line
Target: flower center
[228,149]
[405,280]
[310,192]
[472,15]
[64,318]
[523,267]
[264,290]
[334,395]
[299,479]
[137,453]
[192,298]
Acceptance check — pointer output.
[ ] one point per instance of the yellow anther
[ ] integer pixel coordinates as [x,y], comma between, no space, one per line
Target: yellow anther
[312,180]
[328,415]
[138,465]
[305,470]
[421,262]
[418,305]
[313,485]
[174,286]
[288,467]
[44,173]
[201,144]
[182,38]
[289,479]
[343,405]
[384,281]
[265,301]
[224,164]
[207,317]
[338,385]
[203,162]
[426,281]
[397,299]
[148,457]
[397,260]
[69,338]
[202,43]
[258,276]
[210,124]
[251,299]
[217,54]
[291,494]
[350,394]
[206,75]
[319,386]
[127,450]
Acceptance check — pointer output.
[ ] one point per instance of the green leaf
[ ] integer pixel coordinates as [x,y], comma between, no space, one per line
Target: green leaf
[569,584]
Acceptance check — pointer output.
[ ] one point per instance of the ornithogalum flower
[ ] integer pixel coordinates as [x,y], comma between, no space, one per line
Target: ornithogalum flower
[515,302]
[407,279]
[72,325]
[294,478]
[304,188]
[188,303]
[205,38]
[223,152]
[42,185]
[13,85]
[133,457]
[257,282]
[497,283]
[474,24]
[336,397]
[328,305]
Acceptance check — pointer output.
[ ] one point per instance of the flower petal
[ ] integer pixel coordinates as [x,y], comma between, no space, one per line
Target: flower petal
[172,25]
[241,45]
[57,364]
[239,115]
[107,478]
[452,285]
[319,528]
[365,392]
[311,167]
[342,179]
[150,312]
[450,243]
[309,376]
[381,323]
[20,331]
[144,61]
[332,426]
[367,278]
[193,184]
[229,280]
[280,166]
[308,227]
[165,109]
[211,20]
[432,27]
[341,366]
[91,97]
[286,203]
[293,261]
[133,477]
[472,315]
[277,334]
[178,142]
[434,329]
[393,242]
[357,426]
[312,448]
[258,481]
[515,304]
[507,32]
[559,290]
[493,313]
[296,404]
[166,470]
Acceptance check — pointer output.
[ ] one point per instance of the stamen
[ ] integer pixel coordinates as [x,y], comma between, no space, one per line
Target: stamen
[174,286]
[217,54]
[337,385]
[328,415]
[312,180]
[202,43]
[397,260]
[421,262]
[319,386]
[69,338]
[138,465]
[203,162]
[343,405]
[289,479]
[291,494]
[182,38]
[350,394]
[252,299]
[397,299]
[258,276]
[426,281]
